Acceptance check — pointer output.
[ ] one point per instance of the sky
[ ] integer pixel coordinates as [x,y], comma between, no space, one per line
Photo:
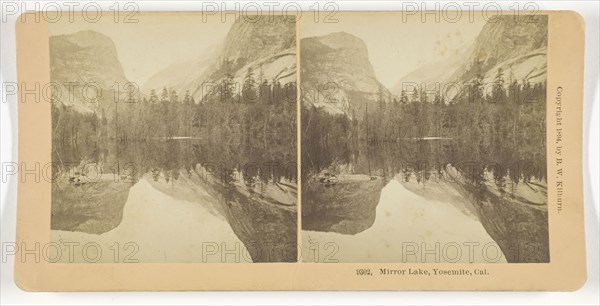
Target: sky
[397,47]
[155,41]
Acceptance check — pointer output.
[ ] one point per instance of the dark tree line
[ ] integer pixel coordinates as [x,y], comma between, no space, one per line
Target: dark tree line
[494,124]
[258,115]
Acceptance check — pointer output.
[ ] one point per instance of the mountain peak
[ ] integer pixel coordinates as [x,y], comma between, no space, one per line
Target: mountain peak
[504,38]
[267,46]
[343,40]
[515,46]
[249,41]
[85,57]
[341,36]
[338,64]
[89,38]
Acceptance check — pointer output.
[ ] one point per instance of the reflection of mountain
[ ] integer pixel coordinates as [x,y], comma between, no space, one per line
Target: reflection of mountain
[259,206]
[517,47]
[337,75]
[85,57]
[404,216]
[268,46]
[428,144]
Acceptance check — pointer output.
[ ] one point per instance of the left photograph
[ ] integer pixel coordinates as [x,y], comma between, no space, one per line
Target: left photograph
[174,139]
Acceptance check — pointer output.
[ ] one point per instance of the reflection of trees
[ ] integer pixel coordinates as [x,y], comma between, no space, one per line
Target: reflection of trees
[502,132]
[230,133]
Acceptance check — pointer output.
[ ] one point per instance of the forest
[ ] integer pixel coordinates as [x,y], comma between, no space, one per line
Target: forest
[168,131]
[501,129]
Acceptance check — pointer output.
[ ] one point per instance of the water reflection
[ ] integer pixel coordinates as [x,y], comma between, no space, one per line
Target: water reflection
[254,184]
[425,160]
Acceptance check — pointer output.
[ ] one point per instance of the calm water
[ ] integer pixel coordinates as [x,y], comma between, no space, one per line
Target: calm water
[257,220]
[425,159]
[170,157]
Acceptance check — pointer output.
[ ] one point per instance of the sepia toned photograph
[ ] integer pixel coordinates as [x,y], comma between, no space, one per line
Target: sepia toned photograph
[424,142]
[174,139]
[413,149]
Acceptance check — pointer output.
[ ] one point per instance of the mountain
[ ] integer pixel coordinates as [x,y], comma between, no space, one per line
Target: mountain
[182,75]
[441,71]
[247,42]
[337,75]
[267,46]
[81,63]
[504,39]
[517,47]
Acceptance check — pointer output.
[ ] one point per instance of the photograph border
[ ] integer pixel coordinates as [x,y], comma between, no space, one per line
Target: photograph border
[565,272]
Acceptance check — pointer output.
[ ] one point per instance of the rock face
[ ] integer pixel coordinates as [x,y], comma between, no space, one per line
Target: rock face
[250,41]
[86,57]
[347,206]
[166,229]
[517,224]
[267,46]
[263,217]
[505,39]
[404,217]
[336,74]
[95,207]
[516,46]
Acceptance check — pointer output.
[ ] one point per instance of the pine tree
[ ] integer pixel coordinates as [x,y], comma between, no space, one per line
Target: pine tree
[277,94]
[248,91]
[131,95]
[403,98]
[164,97]
[153,96]
[261,75]
[476,93]
[265,93]
[227,88]
[381,99]
[173,97]
[415,95]
[188,98]
[499,93]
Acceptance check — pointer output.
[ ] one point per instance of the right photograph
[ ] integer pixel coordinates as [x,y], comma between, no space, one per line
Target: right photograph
[423,138]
